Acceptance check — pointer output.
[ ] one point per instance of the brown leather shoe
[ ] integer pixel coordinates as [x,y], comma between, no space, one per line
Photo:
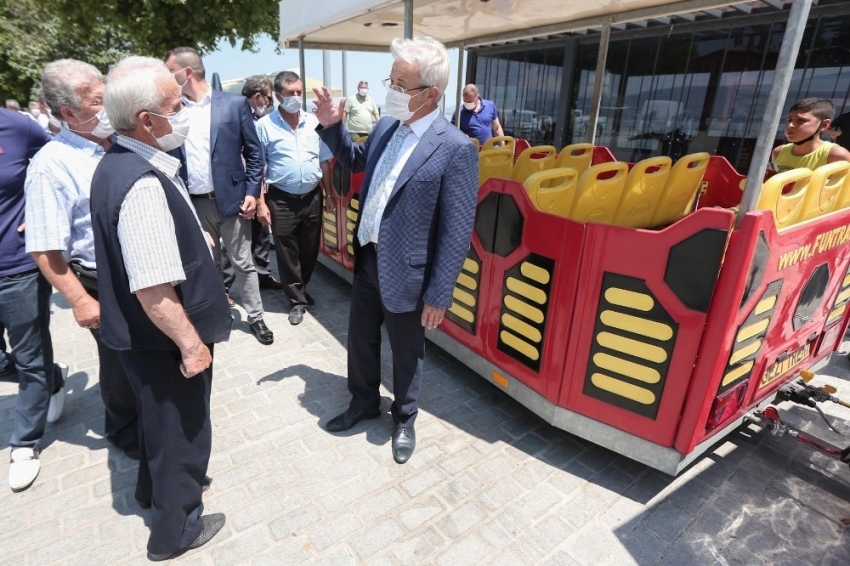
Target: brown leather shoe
[230,300]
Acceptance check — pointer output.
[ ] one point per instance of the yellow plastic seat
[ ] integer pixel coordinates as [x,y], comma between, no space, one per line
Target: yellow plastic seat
[824,190]
[599,191]
[553,191]
[533,160]
[644,185]
[578,156]
[786,208]
[844,195]
[495,163]
[476,142]
[361,139]
[681,189]
[509,143]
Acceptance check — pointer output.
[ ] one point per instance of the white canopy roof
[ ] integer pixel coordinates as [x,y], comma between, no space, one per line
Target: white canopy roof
[372,24]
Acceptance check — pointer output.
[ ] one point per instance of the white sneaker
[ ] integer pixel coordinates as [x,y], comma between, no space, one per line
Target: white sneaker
[23,468]
[57,400]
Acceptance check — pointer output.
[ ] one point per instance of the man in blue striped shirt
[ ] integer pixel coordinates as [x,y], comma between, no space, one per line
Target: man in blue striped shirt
[59,232]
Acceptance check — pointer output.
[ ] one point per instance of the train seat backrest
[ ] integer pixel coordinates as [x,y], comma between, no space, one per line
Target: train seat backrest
[507,141]
[577,156]
[533,160]
[681,189]
[553,191]
[824,190]
[644,186]
[788,207]
[599,191]
[495,163]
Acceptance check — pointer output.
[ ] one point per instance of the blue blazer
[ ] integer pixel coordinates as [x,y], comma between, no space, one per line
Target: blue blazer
[233,137]
[427,224]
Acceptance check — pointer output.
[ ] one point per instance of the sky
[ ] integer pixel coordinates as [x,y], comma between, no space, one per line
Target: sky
[233,63]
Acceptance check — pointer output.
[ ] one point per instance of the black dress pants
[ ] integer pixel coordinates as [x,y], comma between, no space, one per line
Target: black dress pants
[407,341]
[176,439]
[121,426]
[261,245]
[296,227]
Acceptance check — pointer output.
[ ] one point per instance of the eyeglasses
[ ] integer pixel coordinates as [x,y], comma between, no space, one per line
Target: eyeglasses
[389,86]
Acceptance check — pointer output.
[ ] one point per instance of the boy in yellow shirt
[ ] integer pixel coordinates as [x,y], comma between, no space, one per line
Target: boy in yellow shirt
[806,120]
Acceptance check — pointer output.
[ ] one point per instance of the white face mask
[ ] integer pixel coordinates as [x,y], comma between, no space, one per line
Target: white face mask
[262,110]
[362,91]
[103,129]
[291,104]
[35,112]
[179,130]
[398,105]
[469,105]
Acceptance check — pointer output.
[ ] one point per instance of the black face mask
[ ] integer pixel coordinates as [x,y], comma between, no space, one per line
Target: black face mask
[811,137]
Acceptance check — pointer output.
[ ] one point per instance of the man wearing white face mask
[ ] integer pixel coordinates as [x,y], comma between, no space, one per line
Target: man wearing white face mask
[223,171]
[479,118]
[59,231]
[163,305]
[297,164]
[417,205]
[360,112]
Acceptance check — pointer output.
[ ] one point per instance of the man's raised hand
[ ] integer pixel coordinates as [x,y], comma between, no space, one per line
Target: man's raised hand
[327,112]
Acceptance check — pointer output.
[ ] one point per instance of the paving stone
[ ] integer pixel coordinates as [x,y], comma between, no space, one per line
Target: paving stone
[416,549]
[379,505]
[546,535]
[668,520]
[241,548]
[328,533]
[469,550]
[260,512]
[376,539]
[504,528]
[417,515]
[579,510]
[462,519]
[294,522]
[422,482]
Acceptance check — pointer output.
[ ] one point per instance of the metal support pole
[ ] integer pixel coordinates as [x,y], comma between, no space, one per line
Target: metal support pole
[302,69]
[326,68]
[344,74]
[408,19]
[597,83]
[459,99]
[794,30]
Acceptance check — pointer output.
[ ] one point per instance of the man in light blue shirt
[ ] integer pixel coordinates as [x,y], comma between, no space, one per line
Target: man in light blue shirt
[59,233]
[297,163]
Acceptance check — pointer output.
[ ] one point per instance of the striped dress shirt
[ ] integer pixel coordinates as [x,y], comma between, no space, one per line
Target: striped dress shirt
[145,225]
[57,189]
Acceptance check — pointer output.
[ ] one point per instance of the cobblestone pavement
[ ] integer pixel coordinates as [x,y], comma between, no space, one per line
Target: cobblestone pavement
[489,482]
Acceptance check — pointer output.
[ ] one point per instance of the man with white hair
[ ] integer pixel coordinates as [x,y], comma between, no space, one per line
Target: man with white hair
[59,232]
[162,302]
[412,235]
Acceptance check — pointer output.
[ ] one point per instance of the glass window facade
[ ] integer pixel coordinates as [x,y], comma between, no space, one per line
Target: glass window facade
[526,87]
[694,88]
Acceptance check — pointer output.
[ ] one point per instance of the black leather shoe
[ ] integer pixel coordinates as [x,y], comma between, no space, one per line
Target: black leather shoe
[350,418]
[310,300]
[269,282]
[211,524]
[296,315]
[404,442]
[262,332]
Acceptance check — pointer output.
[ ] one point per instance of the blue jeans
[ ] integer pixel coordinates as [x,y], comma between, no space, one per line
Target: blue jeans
[25,313]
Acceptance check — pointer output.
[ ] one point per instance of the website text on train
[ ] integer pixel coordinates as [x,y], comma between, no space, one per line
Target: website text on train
[635,277]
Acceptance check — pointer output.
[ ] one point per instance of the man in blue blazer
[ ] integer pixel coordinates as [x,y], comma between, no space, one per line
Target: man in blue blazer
[417,207]
[223,168]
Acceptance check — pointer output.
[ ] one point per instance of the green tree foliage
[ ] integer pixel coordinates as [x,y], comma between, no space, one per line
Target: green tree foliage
[35,32]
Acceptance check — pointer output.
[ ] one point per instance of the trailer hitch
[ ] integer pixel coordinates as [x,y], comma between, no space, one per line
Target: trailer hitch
[770,420]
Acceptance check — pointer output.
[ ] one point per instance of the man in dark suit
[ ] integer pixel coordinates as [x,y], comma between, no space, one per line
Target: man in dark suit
[417,208]
[224,191]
